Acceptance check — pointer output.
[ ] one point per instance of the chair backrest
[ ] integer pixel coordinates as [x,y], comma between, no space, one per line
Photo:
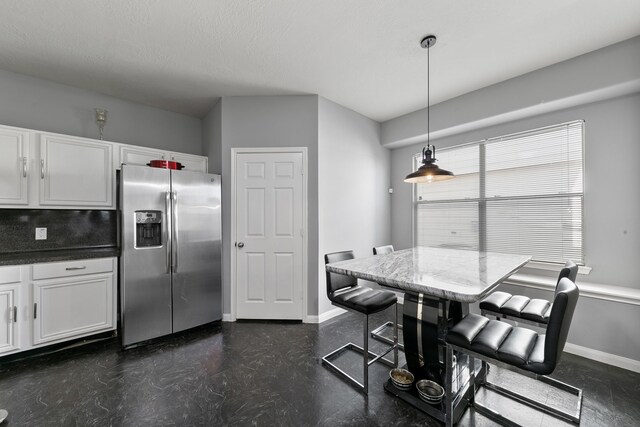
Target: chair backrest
[564,304]
[336,281]
[381,250]
[570,271]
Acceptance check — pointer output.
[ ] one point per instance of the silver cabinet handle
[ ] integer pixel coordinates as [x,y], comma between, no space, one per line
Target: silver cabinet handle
[15,313]
[75,268]
[35,310]
[167,202]
[175,233]
[24,167]
[241,245]
[42,168]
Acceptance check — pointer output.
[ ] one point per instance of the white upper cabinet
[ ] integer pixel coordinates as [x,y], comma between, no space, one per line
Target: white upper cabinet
[54,171]
[75,171]
[190,162]
[14,166]
[132,155]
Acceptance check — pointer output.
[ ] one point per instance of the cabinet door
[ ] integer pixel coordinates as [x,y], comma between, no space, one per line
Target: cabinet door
[70,308]
[9,302]
[14,165]
[75,172]
[190,161]
[138,155]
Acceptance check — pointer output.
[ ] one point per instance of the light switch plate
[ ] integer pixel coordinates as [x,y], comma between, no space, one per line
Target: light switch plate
[41,233]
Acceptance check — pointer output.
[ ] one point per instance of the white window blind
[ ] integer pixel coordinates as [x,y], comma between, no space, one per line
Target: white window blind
[521,193]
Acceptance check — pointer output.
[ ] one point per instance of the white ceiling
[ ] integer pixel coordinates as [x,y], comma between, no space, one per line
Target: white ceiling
[364,54]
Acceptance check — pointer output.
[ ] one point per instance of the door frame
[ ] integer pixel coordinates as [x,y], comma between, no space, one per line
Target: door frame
[305,179]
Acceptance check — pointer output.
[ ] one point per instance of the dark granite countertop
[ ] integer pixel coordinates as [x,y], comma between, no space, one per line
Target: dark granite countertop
[38,257]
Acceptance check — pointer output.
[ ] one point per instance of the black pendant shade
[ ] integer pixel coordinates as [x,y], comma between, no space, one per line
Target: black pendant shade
[429,171]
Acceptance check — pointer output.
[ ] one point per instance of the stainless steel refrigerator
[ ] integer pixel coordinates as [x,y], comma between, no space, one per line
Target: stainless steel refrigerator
[170,275]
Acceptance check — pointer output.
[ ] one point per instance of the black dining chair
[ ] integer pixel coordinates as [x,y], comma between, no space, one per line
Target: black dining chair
[524,309]
[381,250]
[377,333]
[517,349]
[344,292]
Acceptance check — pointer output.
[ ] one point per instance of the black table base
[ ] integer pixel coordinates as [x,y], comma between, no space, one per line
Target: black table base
[425,325]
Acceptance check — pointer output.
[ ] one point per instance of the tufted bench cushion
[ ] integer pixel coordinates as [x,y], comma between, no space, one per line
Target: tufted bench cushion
[537,310]
[522,307]
[513,345]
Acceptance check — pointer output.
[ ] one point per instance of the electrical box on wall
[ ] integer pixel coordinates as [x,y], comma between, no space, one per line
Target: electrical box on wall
[41,233]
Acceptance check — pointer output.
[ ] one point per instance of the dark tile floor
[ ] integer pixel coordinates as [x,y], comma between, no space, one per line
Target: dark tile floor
[264,373]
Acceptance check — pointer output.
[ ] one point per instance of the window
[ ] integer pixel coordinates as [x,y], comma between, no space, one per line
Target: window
[520,193]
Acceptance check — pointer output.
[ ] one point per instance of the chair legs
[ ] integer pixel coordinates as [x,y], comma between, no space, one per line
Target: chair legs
[366,354]
[573,417]
[376,334]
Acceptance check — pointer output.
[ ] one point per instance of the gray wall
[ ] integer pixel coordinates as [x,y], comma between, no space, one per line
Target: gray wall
[43,105]
[270,121]
[212,138]
[605,73]
[612,200]
[354,175]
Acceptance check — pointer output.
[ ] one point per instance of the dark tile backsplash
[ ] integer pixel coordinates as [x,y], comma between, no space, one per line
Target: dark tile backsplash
[66,229]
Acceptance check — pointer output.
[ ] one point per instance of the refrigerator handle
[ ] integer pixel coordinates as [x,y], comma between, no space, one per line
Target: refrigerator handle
[174,223]
[167,209]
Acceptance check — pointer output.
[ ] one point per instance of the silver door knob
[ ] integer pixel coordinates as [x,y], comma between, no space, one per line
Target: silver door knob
[240,245]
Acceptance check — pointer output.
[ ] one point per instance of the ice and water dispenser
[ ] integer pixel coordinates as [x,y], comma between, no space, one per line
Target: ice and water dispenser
[148,229]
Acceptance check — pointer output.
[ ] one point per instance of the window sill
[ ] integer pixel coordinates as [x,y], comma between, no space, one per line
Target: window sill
[582,269]
[591,290]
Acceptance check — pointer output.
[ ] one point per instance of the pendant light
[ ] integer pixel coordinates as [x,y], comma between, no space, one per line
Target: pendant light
[429,171]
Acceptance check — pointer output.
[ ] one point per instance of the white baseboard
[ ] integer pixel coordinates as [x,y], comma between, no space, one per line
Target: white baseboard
[601,356]
[226,317]
[325,316]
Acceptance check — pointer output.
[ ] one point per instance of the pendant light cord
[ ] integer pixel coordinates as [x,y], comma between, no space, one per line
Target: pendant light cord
[428,118]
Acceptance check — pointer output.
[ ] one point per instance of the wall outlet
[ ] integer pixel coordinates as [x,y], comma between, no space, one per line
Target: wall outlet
[41,233]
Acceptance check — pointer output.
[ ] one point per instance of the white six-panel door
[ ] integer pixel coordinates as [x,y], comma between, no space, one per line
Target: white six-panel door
[269,235]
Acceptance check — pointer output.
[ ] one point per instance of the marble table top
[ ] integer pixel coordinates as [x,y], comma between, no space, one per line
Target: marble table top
[453,274]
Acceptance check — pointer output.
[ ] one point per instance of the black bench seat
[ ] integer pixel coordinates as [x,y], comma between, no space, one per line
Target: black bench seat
[520,307]
[516,348]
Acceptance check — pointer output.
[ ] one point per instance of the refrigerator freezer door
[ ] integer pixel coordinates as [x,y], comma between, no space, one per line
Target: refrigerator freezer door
[145,274]
[197,297]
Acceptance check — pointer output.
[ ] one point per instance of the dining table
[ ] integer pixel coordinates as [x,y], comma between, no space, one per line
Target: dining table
[438,285]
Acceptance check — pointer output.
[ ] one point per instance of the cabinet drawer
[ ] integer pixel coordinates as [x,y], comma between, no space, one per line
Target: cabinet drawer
[72,268]
[10,274]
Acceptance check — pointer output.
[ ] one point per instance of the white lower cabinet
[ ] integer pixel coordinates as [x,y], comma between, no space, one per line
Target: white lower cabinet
[11,284]
[9,302]
[70,308]
[72,299]
[49,303]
